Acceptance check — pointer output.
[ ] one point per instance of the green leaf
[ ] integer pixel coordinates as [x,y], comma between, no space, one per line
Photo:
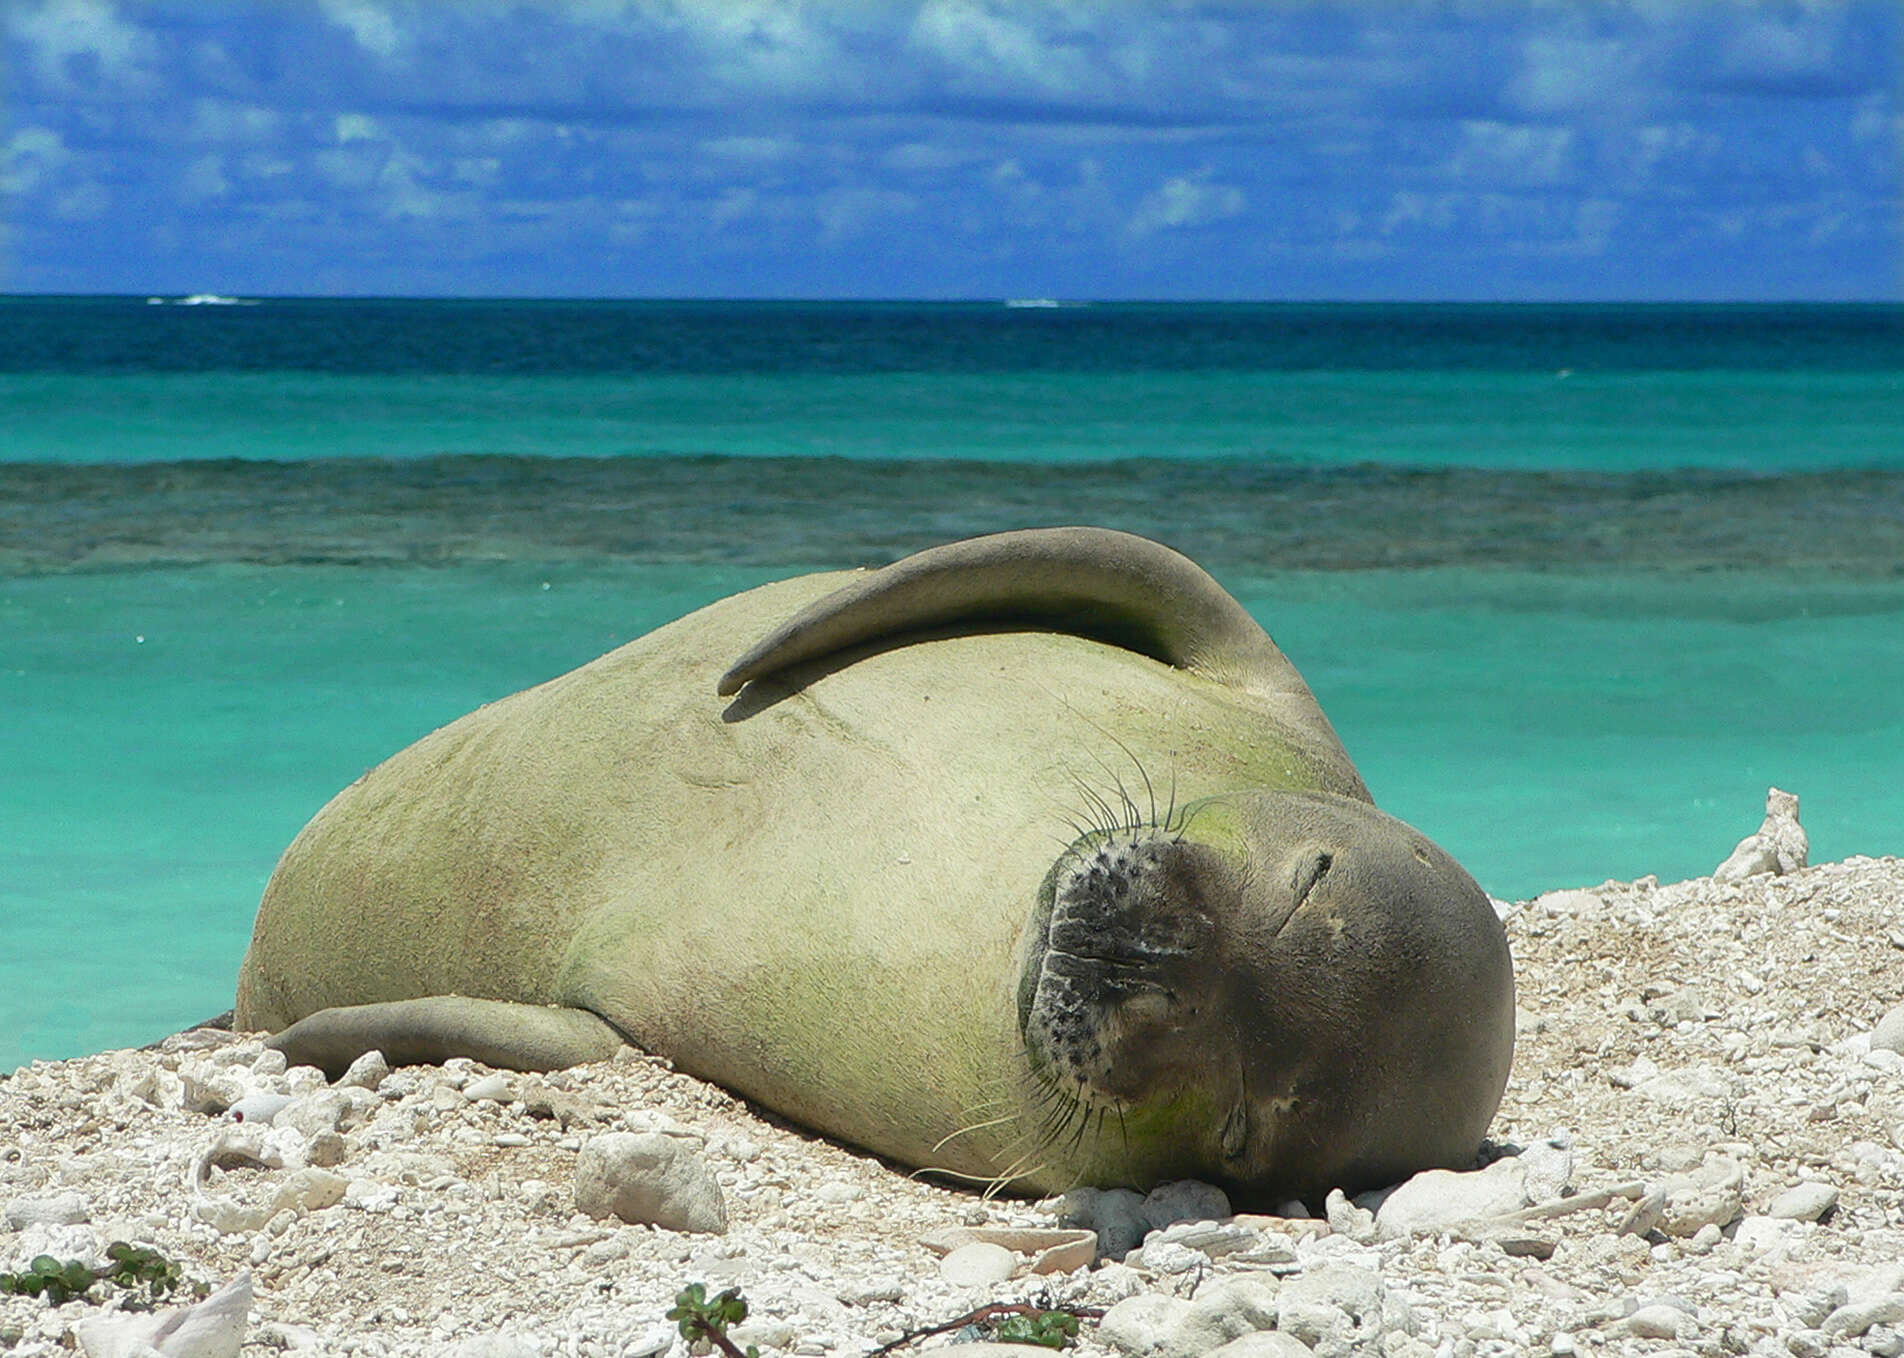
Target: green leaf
[77,1276]
[1046,1329]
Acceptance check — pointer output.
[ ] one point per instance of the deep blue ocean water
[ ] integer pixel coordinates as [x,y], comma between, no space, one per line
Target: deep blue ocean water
[1575,584]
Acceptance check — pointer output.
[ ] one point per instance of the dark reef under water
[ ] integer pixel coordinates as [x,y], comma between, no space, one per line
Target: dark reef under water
[1239,516]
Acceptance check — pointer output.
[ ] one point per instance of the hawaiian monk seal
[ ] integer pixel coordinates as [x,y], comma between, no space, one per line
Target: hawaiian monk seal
[1029,858]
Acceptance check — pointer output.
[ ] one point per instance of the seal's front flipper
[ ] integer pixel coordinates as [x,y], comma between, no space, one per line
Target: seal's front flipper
[429,1031]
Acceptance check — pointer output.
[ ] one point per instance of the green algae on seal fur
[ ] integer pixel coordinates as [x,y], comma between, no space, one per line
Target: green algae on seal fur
[1029,859]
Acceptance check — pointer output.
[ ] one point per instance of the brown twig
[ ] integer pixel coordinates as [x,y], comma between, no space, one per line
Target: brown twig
[988,1312]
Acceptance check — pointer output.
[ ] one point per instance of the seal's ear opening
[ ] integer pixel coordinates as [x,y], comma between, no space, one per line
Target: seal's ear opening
[1312,865]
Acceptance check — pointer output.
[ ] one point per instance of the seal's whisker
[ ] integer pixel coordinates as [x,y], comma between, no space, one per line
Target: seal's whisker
[1023,1167]
[1057,1119]
[992,1182]
[1080,829]
[1048,1113]
[968,1129]
[1129,820]
[1059,1122]
[1084,792]
[1004,1100]
[1106,819]
[1054,1117]
[1150,790]
[1084,1125]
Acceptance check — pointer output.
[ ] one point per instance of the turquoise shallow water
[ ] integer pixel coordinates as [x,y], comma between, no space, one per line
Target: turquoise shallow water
[1574,584]
[1607,421]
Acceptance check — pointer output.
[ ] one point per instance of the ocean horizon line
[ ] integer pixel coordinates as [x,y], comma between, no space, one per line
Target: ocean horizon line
[1061,300]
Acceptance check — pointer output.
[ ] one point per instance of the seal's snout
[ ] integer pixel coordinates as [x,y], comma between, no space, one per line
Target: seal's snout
[1115,904]
[1122,934]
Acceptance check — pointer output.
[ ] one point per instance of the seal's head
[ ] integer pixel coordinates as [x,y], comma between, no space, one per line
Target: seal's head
[1283,991]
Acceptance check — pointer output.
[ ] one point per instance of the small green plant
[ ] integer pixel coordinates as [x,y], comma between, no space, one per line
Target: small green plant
[137,1266]
[48,1277]
[1047,1329]
[698,1317]
[132,1266]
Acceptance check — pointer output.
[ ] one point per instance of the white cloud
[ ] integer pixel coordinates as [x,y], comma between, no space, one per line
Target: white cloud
[732,206]
[852,212]
[1769,52]
[1876,120]
[1409,208]
[759,149]
[1593,223]
[204,179]
[928,157]
[1186,202]
[1009,174]
[371,25]
[31,157]
[1573,75]
[481,171]
[632,219]
[1513,154]
[395,180]
[995,43]
[221,120]
[281,210]
[764,45]
[85,203]
[258,165]
[353,168]
[509,131]
[1660,143]
[349,127]
[67,34]
[403,195]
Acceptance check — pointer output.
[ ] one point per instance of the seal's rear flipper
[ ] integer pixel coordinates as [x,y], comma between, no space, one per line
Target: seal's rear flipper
[1092,582]
[1097,583]
[428,1031]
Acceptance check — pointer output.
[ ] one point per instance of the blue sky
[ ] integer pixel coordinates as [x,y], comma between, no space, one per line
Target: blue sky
[1645,149]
